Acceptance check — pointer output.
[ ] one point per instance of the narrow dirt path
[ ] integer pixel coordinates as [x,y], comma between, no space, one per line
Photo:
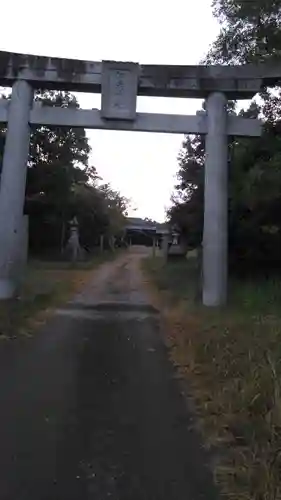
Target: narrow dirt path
[90,408]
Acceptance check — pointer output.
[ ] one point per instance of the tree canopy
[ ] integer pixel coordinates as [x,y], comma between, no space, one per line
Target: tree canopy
[250,32]
[62,184]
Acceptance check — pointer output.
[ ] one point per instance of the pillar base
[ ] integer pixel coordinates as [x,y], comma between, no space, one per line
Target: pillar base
[7,289]
[214,301]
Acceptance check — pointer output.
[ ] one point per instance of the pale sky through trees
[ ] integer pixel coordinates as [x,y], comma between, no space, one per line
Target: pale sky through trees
[141,165]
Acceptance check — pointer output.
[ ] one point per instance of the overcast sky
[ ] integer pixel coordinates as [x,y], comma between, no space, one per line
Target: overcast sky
[141,165]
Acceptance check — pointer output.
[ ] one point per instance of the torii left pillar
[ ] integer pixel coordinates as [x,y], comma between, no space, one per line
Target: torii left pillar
[12,187]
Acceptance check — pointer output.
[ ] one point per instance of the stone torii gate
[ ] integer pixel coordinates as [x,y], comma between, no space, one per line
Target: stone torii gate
[120,83]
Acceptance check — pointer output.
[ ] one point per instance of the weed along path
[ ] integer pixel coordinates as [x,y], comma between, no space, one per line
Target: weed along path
[90,406]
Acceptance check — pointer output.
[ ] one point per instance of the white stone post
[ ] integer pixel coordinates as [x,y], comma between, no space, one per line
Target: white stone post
[153,246]
[216,203]
[12,187]
[101,243]
[165,246]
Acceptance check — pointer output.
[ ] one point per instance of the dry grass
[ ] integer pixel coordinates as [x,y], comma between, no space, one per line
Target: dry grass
[45,286]
[231,360]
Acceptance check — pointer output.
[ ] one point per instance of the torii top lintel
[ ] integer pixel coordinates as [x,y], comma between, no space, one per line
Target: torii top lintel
[237,82]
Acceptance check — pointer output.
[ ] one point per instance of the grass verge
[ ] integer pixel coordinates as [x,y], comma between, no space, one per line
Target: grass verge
[46,285]
[231,359]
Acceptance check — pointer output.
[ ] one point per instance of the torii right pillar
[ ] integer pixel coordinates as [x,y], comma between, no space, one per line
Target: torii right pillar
[215,237]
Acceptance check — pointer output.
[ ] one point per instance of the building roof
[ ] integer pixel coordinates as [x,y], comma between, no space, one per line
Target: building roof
[143,224]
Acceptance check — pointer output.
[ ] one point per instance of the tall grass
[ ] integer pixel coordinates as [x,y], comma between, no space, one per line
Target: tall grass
[231,359]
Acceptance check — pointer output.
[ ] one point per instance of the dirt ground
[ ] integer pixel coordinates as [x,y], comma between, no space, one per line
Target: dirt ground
[90,406]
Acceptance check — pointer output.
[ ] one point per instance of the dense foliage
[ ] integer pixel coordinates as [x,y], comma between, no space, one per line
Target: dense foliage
[250,31]
[254,164]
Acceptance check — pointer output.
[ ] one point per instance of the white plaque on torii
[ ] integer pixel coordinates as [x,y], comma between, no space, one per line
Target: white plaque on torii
[119,90]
